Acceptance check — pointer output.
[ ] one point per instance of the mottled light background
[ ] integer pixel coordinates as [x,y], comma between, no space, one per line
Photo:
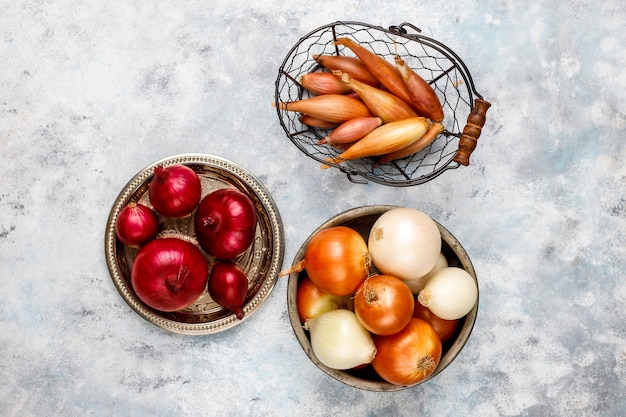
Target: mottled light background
[93,91]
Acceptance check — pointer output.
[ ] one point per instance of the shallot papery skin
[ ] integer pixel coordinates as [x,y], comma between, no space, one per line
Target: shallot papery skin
[334,108]
[387,106]
[386,72]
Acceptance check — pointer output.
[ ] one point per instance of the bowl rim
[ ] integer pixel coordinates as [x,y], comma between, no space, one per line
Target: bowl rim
[366,384]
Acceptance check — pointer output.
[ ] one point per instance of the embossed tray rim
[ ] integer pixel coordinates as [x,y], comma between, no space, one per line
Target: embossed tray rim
[277,247]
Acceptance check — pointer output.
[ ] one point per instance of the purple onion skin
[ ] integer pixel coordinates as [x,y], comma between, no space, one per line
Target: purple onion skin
[136,224]
[225,223]
[169,274]
[175,191]
[228,286]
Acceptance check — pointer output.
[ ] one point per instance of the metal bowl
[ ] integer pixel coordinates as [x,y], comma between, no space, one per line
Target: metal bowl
[261,262]
[362,219]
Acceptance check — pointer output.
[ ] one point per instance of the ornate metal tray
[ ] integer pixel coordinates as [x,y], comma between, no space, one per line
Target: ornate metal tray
[261,262]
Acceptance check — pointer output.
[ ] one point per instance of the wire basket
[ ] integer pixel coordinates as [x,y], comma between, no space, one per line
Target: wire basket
[464,108]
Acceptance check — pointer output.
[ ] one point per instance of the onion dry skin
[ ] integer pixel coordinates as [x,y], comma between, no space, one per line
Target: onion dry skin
[336,260]
[409,356]
[169,274]
[225,223]
[384,304]
[136,224]
[228,286]
[175,191]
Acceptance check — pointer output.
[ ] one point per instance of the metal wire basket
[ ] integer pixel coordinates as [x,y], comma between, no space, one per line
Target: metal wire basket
[464,108]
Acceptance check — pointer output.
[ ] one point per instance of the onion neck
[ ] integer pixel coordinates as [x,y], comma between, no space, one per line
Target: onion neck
[371,295]
[426,364]
[209,222]
[425,297]
[367,261]
[177,284]
[158,171]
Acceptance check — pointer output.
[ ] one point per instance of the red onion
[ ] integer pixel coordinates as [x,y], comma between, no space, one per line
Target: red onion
[169,274]
[228,286]
[175,191]
[136,224]
[225,223]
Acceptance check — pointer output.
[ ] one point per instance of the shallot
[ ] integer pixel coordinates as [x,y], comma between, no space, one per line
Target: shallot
[387,138]
[383,70]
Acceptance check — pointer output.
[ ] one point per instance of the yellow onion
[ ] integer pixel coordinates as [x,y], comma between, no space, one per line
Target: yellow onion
[336,260]
[409,356]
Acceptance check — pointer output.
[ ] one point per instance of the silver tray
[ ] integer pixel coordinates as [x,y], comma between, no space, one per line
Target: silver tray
[261,262]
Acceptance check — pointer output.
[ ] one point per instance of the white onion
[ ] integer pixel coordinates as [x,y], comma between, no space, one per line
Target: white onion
[404,242]
[417,285]
[339,340]
[449,294]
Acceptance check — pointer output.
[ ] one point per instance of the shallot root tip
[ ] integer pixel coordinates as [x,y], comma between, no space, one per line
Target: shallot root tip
[332,161]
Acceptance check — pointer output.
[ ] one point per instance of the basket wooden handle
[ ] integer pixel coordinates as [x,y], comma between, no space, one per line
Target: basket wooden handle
[471,131]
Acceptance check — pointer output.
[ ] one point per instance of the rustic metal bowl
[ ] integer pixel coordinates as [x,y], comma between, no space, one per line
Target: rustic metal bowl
[361,219]
[261,262]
